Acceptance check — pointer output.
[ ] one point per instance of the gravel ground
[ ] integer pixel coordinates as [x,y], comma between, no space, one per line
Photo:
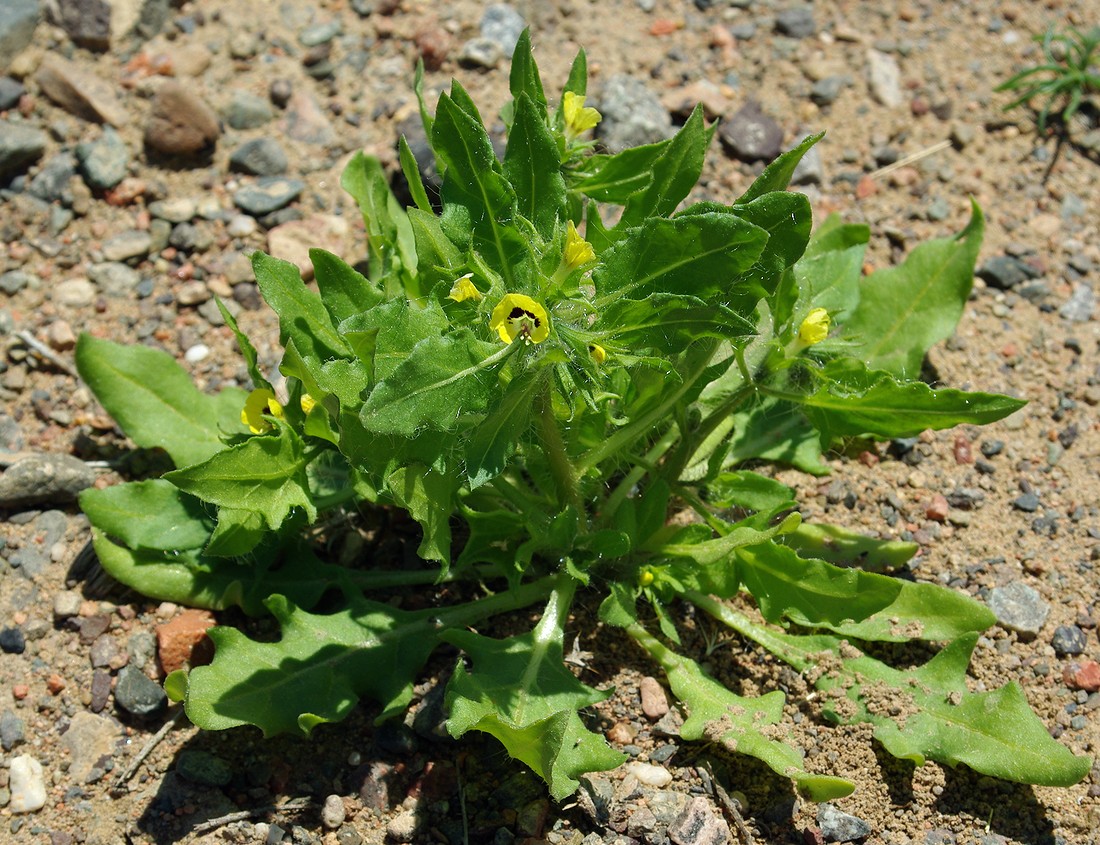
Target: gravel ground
[141,169]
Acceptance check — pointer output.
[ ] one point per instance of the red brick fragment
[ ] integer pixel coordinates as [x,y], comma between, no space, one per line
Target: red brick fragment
[178,640]
[1084,676]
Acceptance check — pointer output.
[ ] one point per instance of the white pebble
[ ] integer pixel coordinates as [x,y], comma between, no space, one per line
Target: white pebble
[333,813]
[650,775]
[27,784]
[241,225]
[196,353]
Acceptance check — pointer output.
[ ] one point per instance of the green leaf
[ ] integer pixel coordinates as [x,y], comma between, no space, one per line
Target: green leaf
[265,474]
[303,318]
[248,351]
[428,497]
[668,322]
[390,244]
[520,692]
[750,491]
[440,259]
[344,290]
[841,546]
[674,173]
[493,442]
[237,533]
[577,81]
[531,166]
[616,178]
[153,400]
[524,78]
[742,725]
[411,170]
[418,88]
[776,431]
[854,401]
[777,175]
[396,327]
[904,310]
[787,219]
[443,381]
[148,515]
[698,255]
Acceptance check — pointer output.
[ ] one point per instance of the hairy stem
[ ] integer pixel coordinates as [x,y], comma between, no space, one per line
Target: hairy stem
[561,467]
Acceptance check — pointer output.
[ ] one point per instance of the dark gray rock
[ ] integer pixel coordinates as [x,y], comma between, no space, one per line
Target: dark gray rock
[20,146]
[104,162]
[1005,271]
[247,111]
[1068,640]
[12,641]
[18,20]
[502,24]
[280,92]
[268,194]
[797,22]
[12,730]
[202,767]
[743,31]
[825,91]
[51,183]
[837,826]
[698,824]
[1080,306]
[10,92]
[1019,608]
[137,694]
[86,22]
[632,114]
[49,477]
[261,157]
[751,135]
[14,281]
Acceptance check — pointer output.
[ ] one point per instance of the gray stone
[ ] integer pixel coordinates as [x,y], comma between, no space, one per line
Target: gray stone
[176,210]
[632,114]
[1080,306]
[1019,608]
[78,90]
[202,767]
[48,477]
[248,111]
[333,812]
[10,92]
[76,293]
[181,123]
[114,278]
[33,558]
[12,730]
[27,785]
[268,194]
[86,22]
[751,135]
[104,162]
[20,146]
[51,183]
[837,826]
[825,91]
[797,22]
[1005,271]
[137,694]
[18,20]
[133,243]
[90,741]
[480,52]
[698,824]
[809,170]
[1068,640]
[14,281]
[305,120]
[1028,503]
[66,604]
[320,33]
[260,157]
[502,24]
[884,77]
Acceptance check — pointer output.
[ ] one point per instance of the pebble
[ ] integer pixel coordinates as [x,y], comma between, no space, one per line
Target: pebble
[1080,306]
[75,293]
[12,641]
[650,775]
[66,604]
[12,730]
[1083,676]
[175,210]
[177,640]
[632,114]
[838,826]
[796,22]
[51,183]
[320,33]
[138,695]
[654,699]
[90,741]
[259,157]
[825,91]
[884,78]
[1027,502]
[305,120]
[1068,640]
[196,353]
[333,812]
[1018,608]
[268,194]
[810,170]
[104,162]
[100,691]
[20,146]
[47,477]
[202,767]
[18,21]
[403,827]
[14,281]
[1006,271]
[698,824]
[247,111]
[279,92]
[241,226]
[480,52]
[180,122]
[27,784]
[133,243]
[78,90]
[501,23]
[114,278]
[751,135]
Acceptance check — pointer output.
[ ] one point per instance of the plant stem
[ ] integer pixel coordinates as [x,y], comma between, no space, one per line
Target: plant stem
[561,467]
[800,659]
[623,488]
[678,463]
[514,599]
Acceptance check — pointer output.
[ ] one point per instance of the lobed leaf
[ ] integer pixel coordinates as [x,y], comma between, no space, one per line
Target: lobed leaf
[150,514]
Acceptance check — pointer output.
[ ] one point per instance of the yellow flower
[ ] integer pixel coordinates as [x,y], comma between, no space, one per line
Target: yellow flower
[307,402]
[598,352]
[259,402]
[578,117]
[464,289]
[645,577]
[517,315]
[815,328]
[578,251]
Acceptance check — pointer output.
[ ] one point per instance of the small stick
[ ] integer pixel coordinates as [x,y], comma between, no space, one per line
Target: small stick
[732,808]
[909,159]
[119,784]
[241,815]
[43,351]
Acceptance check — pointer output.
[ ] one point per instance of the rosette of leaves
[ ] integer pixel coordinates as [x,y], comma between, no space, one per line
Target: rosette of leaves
[556,396]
